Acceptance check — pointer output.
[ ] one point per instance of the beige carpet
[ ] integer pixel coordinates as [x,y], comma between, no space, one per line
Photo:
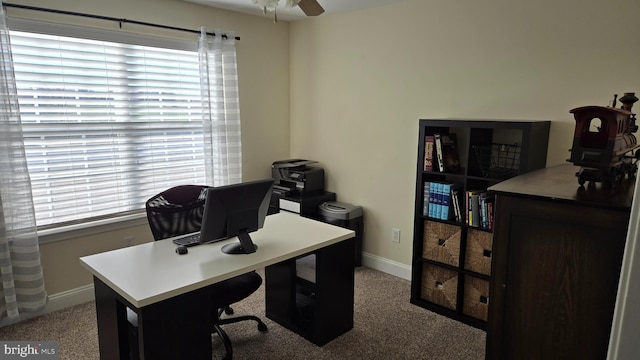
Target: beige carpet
[386,326]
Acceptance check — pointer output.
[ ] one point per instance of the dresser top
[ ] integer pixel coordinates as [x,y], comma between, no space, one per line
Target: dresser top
[560,183]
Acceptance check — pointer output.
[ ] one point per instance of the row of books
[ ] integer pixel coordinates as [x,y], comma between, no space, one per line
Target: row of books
[442,200]
[441,153]
[479,204]
[447,201]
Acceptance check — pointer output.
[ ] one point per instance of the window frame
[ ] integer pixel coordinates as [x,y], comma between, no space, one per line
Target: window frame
[90,226]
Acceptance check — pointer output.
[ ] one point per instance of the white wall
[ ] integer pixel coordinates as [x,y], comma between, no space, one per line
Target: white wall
[360,81]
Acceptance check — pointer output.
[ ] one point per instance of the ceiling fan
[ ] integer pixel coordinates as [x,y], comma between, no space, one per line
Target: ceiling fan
[308,7]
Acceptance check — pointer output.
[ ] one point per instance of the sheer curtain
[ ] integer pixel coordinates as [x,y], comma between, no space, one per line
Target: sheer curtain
[22,291]
[219,88]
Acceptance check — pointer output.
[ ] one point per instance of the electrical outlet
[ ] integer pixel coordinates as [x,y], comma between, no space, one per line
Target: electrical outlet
[396,235]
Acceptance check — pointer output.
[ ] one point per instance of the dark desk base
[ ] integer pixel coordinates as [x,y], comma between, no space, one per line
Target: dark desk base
[318,312]
[176,328]
[181,327]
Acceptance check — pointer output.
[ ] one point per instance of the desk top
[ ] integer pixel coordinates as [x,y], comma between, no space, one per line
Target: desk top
[152,272]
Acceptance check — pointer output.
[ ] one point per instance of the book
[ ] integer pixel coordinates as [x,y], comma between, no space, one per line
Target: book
[425,199]
[483,210]
[438,146]
[447,206]
[445,189]
[455,197]
[475,209]
[437,200]
[433,189]
[471,196]
[450,154]
[490,213]
[486,201]
[428,152]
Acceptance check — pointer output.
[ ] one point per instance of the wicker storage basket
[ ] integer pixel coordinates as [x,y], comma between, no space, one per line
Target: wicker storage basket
[476,298]
[441,242]
[478,252]
[439,286]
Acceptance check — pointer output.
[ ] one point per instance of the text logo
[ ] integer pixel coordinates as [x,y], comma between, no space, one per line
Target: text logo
[10,350]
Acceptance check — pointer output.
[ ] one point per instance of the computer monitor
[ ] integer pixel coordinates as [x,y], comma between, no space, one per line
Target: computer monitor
[236,210]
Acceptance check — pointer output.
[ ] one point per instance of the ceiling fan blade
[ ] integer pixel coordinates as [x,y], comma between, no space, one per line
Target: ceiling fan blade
[310,7]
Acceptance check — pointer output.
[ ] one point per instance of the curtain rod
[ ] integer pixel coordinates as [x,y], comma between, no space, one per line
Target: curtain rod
[108,18]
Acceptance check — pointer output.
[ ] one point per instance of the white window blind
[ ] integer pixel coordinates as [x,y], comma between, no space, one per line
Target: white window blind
[106,125]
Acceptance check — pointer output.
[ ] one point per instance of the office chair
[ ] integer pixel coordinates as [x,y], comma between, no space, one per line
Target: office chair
[178,211]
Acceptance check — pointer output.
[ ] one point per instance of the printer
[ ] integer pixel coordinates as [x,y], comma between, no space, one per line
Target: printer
[295,176]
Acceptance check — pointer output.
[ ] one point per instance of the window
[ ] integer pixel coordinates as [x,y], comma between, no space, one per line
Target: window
[106,124]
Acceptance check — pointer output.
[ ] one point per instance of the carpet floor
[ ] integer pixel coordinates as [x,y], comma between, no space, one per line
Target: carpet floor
[386,326]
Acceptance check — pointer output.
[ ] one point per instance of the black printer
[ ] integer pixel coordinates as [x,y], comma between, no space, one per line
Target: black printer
[294,176]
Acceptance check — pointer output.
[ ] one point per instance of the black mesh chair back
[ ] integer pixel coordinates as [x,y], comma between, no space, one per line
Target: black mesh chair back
[176,211]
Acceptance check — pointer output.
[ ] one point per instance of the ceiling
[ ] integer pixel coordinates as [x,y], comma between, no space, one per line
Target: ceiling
[330,7]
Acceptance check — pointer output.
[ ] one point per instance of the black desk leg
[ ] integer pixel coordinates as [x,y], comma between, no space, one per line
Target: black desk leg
[328,313]
[335,291]
[112,323]
[176,328]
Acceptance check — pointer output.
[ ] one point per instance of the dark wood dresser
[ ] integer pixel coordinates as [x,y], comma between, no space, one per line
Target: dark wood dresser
[557,254]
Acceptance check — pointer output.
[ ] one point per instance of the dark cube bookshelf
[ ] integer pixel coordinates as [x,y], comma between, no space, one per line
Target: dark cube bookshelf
[451,266]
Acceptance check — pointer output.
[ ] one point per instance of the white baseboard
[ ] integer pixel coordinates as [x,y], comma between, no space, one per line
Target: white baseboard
[386,266]
[85,293]
[69,298]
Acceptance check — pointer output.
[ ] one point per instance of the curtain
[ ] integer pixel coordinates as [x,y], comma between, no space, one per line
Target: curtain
[22,291]
[221,114]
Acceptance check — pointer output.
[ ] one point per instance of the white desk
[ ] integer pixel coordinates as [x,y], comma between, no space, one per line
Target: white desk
[165,289]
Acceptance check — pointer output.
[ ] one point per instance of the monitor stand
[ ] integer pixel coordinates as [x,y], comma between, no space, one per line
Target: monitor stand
[245,246]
